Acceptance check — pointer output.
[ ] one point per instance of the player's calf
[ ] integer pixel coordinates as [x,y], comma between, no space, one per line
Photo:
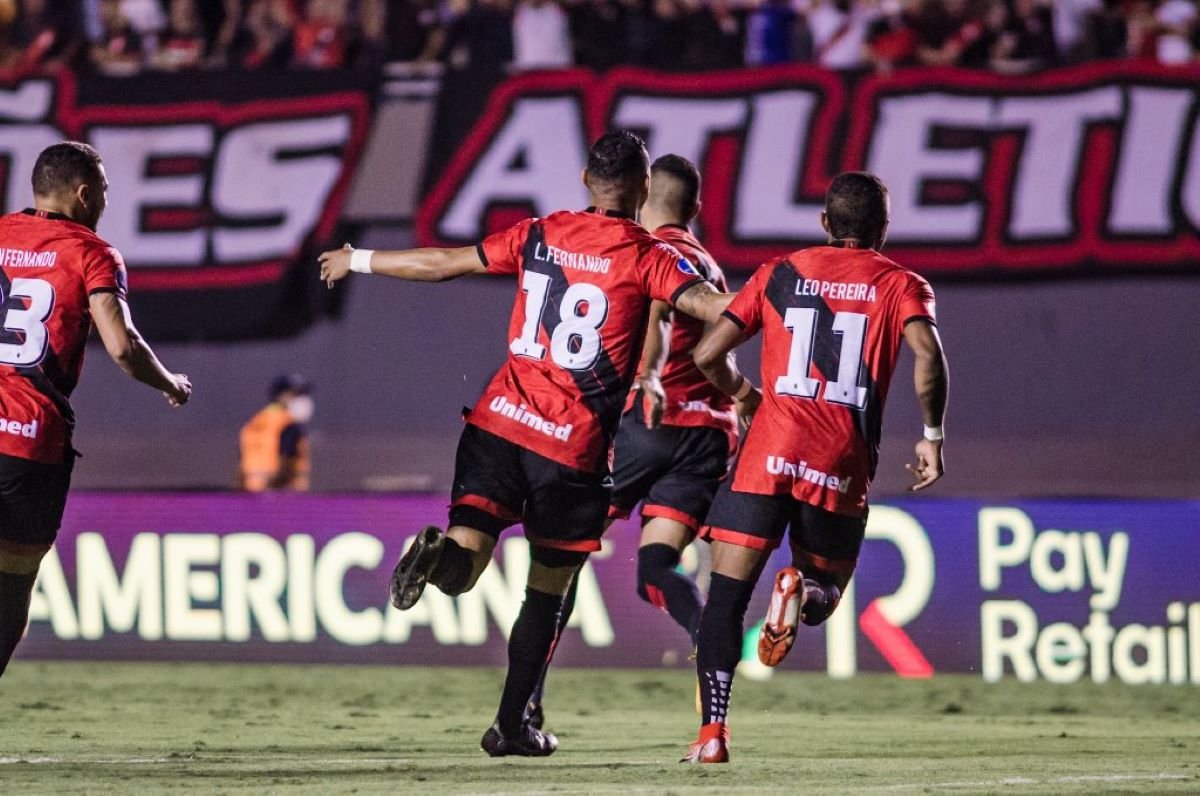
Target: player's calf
[820,601]
[18,571]
[661,585]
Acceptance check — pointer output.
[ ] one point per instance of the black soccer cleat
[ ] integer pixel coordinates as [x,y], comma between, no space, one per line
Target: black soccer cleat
[528,742]
[535,715]
[411,574]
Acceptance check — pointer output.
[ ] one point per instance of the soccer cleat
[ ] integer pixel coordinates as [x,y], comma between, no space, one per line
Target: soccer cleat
[529,742]
[778,632]
[711,747]
[411,574]
[535,716]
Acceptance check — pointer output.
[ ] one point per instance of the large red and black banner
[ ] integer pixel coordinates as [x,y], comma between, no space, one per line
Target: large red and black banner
[222,186]
[1092,170]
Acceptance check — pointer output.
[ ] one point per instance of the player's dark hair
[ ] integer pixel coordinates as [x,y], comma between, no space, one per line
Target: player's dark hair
[618,157]
[64,166]
[856,206]
[683,191]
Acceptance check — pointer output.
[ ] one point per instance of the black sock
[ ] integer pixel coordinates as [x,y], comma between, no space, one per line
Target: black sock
[452,572]
[15,591]
[819,601]
[530,647]
[564,616]
[720,644]
[661,585]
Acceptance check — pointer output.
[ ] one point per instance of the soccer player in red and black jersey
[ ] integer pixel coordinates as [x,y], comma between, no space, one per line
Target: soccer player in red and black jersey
[537,446]
[678,430]
[673,447]
[57,278]
[832,319]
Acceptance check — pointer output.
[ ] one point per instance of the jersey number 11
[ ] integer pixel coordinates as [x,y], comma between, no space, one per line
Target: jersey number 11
[802,323]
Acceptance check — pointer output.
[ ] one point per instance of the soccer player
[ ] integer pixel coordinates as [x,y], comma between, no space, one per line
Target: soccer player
[536,448]
[57,278]
[678,430]
[832,319]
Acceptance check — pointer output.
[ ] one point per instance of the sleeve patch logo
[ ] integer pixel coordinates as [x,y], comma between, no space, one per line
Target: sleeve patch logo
[687,268]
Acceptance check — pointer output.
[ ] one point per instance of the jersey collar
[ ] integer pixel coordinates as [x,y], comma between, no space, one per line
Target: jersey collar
[841,243]
[674,226]
[603,211]
[50,214]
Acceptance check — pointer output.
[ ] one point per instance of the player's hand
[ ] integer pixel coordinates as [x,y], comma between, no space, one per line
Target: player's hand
[335,264]
[746,407]
[929,467]
[654,398]
[181,392]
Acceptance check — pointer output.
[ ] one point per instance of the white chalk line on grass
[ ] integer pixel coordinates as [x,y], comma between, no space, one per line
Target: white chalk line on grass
[203,757]
[211,758]
[1004,782]
[1066,779]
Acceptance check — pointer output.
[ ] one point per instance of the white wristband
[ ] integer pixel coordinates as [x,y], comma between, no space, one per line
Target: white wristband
[360,260]
[934,433]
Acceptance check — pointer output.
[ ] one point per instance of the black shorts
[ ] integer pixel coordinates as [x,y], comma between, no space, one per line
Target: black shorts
[824,545]
[498,483]
[33,496]
[673,471]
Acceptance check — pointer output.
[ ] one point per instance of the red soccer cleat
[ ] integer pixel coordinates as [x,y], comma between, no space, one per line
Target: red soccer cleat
[711,747]
[778,632]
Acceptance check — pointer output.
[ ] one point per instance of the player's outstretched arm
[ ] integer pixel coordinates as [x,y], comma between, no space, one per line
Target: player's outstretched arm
[931,378]
[131,352]
[712,356]
[704,301]
[654,357]
[415,265]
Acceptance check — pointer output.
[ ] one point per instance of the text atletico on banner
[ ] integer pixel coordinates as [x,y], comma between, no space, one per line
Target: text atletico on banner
[220,190]
[1081,171]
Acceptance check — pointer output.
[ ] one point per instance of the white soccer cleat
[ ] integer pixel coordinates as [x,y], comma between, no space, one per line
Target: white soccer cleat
[778,632]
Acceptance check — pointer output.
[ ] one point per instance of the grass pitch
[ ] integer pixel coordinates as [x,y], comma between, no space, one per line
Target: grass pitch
[72,727]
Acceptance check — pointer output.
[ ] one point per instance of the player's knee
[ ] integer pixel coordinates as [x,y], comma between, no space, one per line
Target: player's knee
[21,559]
[553,570]
[555,558]
[655,562]
[823,600]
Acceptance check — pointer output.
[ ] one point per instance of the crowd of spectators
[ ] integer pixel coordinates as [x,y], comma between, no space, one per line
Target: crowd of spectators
[1012,36]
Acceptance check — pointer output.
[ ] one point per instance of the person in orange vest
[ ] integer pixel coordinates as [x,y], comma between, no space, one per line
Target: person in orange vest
[274,443]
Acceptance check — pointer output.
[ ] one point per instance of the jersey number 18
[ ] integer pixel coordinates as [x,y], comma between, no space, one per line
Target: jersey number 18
[575,343]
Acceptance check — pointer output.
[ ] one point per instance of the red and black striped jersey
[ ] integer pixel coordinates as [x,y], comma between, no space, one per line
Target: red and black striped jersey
[49,266]
[691,399]
[832,320]
[585,282]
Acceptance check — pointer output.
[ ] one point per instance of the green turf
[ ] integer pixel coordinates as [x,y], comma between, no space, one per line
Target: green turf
[219,728]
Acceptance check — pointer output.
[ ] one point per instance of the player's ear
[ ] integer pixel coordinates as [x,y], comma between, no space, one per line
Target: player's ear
[584,179]
[825,222]
[695,210]
[882,237]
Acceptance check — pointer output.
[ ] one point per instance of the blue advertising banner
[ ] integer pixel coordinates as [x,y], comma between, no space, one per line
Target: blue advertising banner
[1058,590]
